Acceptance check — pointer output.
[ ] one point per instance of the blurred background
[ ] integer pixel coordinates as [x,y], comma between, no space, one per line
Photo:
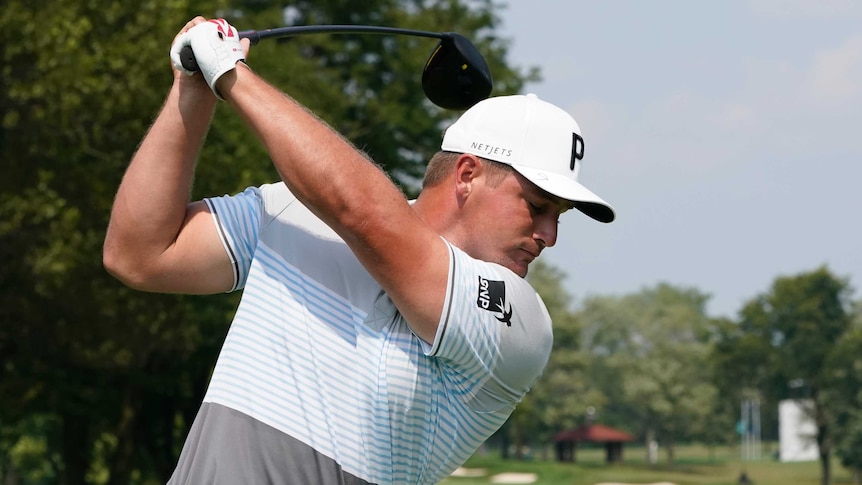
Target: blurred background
[723,133]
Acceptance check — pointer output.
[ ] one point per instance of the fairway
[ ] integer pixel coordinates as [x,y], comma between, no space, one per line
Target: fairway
[695,465]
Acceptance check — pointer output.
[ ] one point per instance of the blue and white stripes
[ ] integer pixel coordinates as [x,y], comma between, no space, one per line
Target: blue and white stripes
[320,353]
[238,215]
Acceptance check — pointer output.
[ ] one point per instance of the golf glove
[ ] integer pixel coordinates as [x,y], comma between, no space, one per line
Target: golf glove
[216,48]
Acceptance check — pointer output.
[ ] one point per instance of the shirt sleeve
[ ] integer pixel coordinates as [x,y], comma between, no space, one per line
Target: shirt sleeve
[495,335]
[238,220]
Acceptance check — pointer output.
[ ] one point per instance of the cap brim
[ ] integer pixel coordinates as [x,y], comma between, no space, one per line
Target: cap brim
[569,189]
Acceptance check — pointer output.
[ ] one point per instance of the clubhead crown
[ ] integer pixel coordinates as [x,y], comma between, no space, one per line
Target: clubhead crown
[456,75]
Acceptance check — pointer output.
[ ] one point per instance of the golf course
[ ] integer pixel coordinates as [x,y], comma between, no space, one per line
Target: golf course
[694,465]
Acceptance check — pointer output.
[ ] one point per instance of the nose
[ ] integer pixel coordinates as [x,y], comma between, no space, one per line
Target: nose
[545,230]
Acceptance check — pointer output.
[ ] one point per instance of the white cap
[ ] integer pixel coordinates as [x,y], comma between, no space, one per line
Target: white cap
[539,140]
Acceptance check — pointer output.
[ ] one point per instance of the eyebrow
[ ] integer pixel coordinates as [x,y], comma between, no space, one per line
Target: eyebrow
[563,204]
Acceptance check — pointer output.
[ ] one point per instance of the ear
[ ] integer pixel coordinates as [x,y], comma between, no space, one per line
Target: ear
[467,169]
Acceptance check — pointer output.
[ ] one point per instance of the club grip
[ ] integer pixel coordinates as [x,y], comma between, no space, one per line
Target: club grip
[187,59]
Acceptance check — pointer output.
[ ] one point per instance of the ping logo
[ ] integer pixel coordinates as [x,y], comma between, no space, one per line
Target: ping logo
[577,149]
[492,297]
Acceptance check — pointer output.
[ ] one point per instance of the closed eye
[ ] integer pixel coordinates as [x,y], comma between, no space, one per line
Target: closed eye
[545,209]
[537,209]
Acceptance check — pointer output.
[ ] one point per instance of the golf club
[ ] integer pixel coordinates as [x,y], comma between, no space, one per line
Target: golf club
[455,76]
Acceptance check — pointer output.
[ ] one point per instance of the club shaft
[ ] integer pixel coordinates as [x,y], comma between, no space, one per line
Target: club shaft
[256,35]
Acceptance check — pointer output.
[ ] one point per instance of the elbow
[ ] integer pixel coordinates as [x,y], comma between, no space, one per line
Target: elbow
[125,268]
[114,267]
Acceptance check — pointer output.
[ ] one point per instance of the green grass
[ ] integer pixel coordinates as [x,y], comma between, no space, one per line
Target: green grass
[694,465]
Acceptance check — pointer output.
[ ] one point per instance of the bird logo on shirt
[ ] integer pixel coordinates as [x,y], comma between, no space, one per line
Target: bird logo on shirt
[492,297]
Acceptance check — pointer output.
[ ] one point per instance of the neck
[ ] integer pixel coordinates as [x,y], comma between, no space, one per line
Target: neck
[439,209]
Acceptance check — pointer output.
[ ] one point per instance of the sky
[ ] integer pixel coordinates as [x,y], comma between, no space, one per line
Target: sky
[727,135]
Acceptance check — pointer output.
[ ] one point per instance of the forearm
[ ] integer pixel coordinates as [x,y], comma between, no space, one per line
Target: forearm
[150,205]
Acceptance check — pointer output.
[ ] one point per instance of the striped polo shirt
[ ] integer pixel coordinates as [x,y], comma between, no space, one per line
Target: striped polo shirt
[320,379]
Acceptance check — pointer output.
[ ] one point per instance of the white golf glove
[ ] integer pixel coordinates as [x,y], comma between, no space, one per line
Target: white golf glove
[216,48]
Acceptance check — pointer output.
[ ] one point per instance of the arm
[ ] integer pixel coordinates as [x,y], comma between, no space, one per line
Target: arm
[352,195]
[156,240]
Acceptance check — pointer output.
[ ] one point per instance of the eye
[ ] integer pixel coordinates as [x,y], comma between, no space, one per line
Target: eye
[535,208]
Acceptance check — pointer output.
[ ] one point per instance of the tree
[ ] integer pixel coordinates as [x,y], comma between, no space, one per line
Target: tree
[843,383]
[652,346]
[113,377]
[80,352]
[788,334]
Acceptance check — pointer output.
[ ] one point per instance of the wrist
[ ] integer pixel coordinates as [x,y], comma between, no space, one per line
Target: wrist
[192,84]
[192,93]
[228,80]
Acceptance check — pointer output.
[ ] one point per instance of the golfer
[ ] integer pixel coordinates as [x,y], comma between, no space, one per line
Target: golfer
[377,340]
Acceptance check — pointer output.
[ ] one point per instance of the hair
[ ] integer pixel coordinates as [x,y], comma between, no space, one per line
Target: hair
[443,163]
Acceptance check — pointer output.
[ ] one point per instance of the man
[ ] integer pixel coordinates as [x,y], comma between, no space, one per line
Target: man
[377,341]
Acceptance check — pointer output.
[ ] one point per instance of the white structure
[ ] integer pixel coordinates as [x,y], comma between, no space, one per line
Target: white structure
[797,432]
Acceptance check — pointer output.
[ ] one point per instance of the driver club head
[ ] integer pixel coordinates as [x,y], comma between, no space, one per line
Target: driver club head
[456,75]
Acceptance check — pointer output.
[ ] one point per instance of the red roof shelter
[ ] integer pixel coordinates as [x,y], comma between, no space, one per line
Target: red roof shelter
[567,441]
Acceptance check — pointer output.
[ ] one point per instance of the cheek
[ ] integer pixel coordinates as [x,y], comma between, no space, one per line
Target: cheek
[518,216]
[513,223]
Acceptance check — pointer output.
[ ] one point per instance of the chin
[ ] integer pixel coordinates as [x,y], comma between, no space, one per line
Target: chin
[520,269]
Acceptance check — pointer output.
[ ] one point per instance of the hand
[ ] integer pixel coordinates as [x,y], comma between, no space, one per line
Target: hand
[216,46]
